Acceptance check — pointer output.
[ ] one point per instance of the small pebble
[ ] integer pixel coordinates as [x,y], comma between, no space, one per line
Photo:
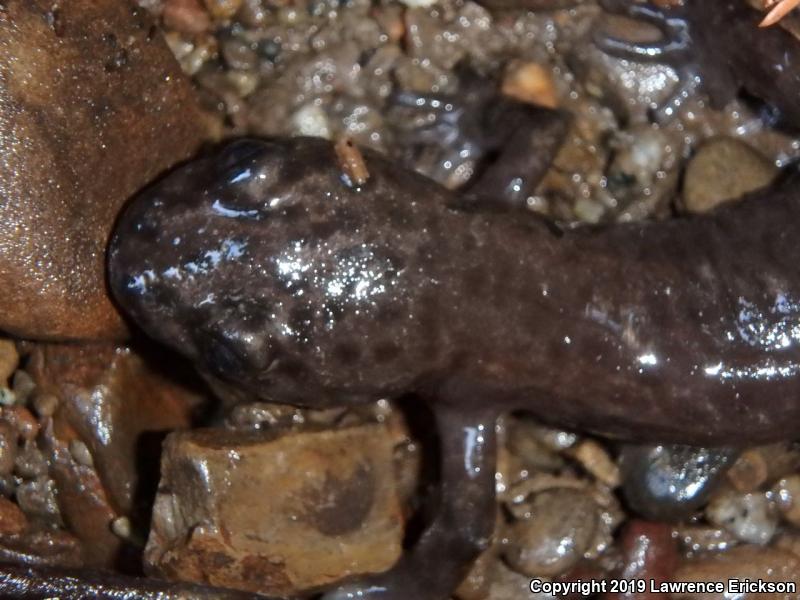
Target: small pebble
[29,462]
[419,3]
[45,405]
[786,494]
[8,448]
[525,443]
[23,386]
[723,169]
[80,452]
[781,459]
[22,420]
[554,538]
[649,552]
[555,439]
[588,210]
[37,498]
[9,359]
[749,472]
[594,458]
[311,120]
[223,9]
[12,520]
[639,155]
[186,16]
[743,562]
[750,517]
[704,538]
[390,18]
[670,482]
[531,83]
[121,527]
[7,397]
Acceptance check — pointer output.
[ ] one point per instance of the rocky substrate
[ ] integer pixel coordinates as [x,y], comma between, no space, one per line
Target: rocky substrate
[281,501]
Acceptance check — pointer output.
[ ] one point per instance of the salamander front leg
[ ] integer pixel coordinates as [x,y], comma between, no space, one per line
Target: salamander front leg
[463,522]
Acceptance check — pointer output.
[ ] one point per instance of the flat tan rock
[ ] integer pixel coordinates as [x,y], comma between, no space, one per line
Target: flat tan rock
[92,107]
[723,169]
[275,515]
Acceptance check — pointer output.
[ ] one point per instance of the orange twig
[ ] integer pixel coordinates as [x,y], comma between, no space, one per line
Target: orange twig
[780,8]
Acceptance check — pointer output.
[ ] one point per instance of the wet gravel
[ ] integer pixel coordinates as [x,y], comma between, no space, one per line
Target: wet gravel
[331,68]
[569,506]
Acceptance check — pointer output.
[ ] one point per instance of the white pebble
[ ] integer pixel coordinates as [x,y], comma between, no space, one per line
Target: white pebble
[311,120]
[80,452]
[419,3]
[121,527]
[749,517]
[7,397]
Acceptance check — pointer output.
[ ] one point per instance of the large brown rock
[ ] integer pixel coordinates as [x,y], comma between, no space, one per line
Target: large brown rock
[92,107]
[275,515]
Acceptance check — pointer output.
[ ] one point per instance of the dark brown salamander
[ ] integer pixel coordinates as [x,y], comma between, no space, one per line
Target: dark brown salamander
[282,281]
[275,276]
[263,266]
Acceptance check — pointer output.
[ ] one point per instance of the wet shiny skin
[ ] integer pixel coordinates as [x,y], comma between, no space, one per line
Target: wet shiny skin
[282,281]
[276,276]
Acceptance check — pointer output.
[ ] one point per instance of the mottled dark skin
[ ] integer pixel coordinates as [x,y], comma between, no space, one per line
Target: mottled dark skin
[281,281]
[717,44]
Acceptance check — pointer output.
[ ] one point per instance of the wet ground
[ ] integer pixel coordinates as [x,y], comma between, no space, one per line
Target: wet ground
[410,80]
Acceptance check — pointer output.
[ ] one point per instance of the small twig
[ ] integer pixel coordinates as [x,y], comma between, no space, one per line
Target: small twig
[779,9]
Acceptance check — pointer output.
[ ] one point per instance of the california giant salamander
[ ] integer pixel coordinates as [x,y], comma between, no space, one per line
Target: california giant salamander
[271,273]
[280,280]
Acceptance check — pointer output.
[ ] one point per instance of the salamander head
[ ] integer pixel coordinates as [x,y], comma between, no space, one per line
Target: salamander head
[264,266]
